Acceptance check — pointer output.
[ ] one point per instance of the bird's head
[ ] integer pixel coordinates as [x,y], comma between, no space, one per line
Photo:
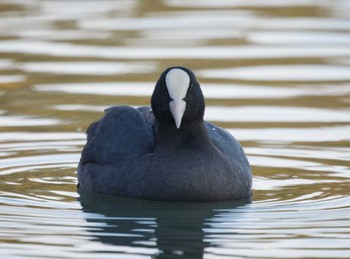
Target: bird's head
[177,97]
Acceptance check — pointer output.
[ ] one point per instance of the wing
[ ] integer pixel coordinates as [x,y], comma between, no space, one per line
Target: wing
[113,143]
[239,164]
[227,144]
[123,133]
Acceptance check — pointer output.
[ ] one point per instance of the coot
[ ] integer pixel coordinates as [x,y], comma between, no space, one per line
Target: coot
[166,152]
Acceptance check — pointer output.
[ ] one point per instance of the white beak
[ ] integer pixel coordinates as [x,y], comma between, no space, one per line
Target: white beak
[177,108]
[177,81]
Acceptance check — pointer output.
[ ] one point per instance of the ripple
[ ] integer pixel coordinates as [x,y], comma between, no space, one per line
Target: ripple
[263,184]
[301,153]
[271,114]
[115,88]
[89,68]
[39,160]
[21,121]
[12,79]
[300,73]
[40,136]
[79,107]
[303,24]
[215,91]
[212,52]
[288,135]
[180,34]
[260,114]
[23,23]
[287,162]
[299,37]
[237,3]
[78,9]
[42,145]
[207,20]
[6,64]
[42,34]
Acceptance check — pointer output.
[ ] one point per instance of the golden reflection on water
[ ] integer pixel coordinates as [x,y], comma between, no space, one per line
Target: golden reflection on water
[274,73]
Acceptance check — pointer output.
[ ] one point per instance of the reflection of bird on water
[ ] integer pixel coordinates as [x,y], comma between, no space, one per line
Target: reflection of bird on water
[165,153]
[163,229]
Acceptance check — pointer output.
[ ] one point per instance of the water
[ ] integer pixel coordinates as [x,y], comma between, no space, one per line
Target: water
[275,73]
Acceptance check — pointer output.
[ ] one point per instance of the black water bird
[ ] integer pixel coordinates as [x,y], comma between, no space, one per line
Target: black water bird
[166,152]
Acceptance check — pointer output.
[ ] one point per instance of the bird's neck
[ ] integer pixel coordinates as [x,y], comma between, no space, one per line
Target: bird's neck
[189,135]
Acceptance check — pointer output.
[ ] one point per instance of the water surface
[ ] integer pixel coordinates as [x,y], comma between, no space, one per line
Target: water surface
[276,74]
